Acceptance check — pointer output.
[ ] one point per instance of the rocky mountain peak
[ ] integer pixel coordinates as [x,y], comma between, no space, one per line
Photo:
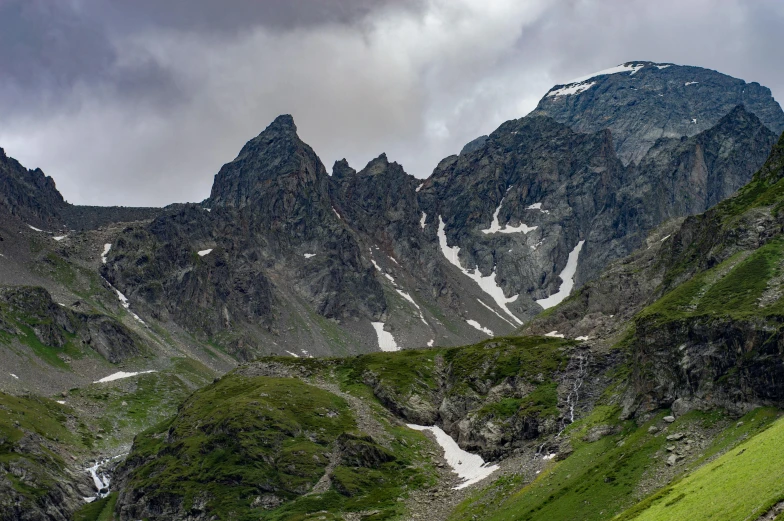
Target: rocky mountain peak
[284,123]
[275,154]
[643,101]
[341,169]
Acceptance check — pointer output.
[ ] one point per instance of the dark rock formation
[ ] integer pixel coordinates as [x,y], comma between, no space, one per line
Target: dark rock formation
[56,326]
[647,101]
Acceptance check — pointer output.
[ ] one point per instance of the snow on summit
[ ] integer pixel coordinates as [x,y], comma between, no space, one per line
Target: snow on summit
[624,67]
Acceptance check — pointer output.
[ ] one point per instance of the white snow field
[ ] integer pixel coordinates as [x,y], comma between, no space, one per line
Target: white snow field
[487,284]
[120,375]
[495,227]
[567,276]
[386,342]
[480,327]
[470,467]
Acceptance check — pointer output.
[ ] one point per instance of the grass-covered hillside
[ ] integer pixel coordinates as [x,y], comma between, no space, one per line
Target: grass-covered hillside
[302,438]
[272,448]
[39,442]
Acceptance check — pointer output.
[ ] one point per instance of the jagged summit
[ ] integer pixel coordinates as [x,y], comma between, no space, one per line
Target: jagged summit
[283,122]
[275,153]
[342,169]
[641,101]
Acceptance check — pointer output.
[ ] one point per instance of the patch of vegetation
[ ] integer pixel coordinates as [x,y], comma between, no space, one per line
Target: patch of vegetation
[733,288]
[34,433]
[742,484]
[136,405]
[242,443]
[99,510]
[601,478]
[541,402]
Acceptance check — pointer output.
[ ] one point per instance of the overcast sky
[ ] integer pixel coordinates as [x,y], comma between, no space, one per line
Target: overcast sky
[139,102]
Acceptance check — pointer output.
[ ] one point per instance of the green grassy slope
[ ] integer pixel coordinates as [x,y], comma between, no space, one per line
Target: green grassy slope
[603,478]
[742,484]
[39,441]
[254,448]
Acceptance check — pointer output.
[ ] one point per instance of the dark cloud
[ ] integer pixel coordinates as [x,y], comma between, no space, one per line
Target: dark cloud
[237,15]
[140,102]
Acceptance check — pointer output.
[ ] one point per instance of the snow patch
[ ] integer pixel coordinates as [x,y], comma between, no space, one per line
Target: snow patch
[423,220]
[386,342]
[496,312]
[120,375]
[554,334]
[550,456]
[690,83]
[202,253]
[613,70]
[106,248]
[665,238]
[411,300]
[60,238]
[12,374]
[582,338]
[495,227]
[418,188]
[295,355]
[34,228]
[567,276]
[571,89]
[388,276]
[471,468]
[537,206]
[336,213]
[694,120]
[124,302]
[430,343]
[309,255]
[660,67]
[61,402]
[480,327]
[487,284]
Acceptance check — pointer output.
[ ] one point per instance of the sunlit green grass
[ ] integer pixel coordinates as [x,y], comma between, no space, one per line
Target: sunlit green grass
[740,485]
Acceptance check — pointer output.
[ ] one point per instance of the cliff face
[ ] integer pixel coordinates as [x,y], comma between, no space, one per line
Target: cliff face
[699,311]
[29,194]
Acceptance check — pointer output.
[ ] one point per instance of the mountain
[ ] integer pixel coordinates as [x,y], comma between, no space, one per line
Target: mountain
[32,197]
[641,102]
[593,333]
[376,257]
[651,417]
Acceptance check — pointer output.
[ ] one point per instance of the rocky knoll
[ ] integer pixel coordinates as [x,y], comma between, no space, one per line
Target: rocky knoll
[641,102]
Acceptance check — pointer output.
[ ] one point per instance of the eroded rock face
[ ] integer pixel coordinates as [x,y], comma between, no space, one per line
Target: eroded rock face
[646,101]
[54,325]
[559,187]
[29,194]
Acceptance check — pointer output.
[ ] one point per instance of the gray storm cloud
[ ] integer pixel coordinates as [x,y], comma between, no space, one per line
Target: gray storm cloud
[140,103]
